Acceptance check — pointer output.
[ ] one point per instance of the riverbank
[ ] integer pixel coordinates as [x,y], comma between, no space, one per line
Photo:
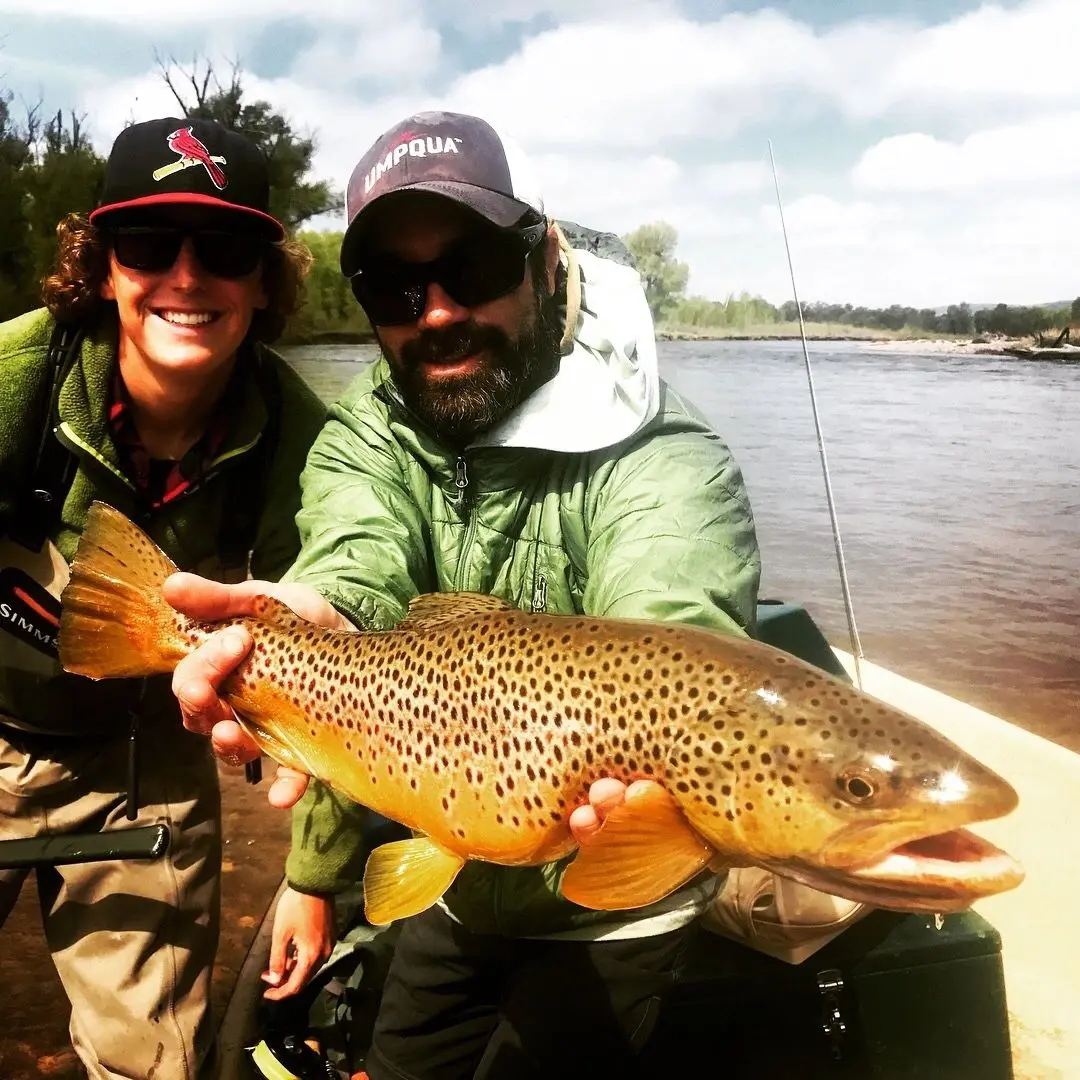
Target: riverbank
[889,341]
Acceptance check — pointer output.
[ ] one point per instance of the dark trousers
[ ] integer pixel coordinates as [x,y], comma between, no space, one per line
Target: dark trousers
[464,1006]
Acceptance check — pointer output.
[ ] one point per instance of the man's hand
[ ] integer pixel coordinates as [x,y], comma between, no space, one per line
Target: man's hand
[198,676]
[301,941]
[604,796]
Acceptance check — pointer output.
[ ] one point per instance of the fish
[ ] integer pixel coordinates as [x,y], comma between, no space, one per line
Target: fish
[481,727]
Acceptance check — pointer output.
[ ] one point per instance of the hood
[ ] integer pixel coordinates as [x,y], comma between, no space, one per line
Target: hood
[608,385]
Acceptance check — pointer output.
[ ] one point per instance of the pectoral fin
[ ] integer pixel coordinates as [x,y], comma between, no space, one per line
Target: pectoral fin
[645,850]
[406,877]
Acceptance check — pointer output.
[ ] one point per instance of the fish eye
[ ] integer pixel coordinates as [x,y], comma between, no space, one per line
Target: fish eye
[857,787]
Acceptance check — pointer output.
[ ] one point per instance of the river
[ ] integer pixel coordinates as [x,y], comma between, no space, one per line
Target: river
[957,488]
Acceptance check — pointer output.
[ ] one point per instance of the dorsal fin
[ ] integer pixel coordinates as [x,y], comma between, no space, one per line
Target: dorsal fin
[275,613]
[429,610]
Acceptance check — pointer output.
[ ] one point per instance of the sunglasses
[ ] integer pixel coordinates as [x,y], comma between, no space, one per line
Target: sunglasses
[473,271]
[153,249]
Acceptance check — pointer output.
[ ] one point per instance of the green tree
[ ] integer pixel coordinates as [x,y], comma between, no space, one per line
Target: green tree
[329,305]
[66,177]
[15,253]
[663,276]
[294,199]
[1074,314]
[958,319]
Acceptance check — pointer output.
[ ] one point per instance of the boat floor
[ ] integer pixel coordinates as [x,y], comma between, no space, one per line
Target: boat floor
[34,1013]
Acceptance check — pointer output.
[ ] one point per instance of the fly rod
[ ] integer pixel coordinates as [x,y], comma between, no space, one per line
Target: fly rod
[853,633]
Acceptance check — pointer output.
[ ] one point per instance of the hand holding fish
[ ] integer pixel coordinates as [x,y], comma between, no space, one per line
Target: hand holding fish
[483,728]
[198,676]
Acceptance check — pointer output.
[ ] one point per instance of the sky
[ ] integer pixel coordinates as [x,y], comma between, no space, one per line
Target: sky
[928,151]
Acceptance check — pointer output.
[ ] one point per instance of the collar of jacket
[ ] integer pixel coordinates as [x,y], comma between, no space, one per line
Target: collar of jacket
[490,469]
[85,396]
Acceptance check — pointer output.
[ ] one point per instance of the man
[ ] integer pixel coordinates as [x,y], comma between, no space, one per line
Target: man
[514,439]
[145,382]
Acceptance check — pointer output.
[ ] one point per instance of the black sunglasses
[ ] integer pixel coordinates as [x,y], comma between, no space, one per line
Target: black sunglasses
[473,271]
[153,249]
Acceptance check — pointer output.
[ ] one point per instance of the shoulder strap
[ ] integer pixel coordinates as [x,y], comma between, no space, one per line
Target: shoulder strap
[245,500]
[53,467]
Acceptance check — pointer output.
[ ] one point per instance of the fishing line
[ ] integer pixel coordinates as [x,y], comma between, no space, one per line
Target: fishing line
[853,633]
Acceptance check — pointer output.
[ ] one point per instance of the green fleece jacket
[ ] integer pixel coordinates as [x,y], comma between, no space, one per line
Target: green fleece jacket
[186,528]
[605,494]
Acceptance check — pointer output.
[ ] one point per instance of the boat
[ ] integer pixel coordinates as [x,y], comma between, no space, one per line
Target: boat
[1033,925]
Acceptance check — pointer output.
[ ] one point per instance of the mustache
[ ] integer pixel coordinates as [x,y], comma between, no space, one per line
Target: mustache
[462,339]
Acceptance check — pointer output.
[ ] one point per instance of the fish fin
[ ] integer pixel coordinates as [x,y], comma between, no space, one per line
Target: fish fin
[279,615]
[644,851]
[265,716]
[406,877]
[113,619]
[429,610]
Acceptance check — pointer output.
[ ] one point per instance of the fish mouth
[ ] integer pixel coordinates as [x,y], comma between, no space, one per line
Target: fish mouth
[942,872]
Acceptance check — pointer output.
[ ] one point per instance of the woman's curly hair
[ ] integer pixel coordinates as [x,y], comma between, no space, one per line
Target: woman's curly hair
[72,292]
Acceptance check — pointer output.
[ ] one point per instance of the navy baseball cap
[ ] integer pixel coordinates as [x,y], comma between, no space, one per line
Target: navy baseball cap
[461,157]
[192,162]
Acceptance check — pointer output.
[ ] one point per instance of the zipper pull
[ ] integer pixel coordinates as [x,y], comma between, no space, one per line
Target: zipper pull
[539,598]
[461,478]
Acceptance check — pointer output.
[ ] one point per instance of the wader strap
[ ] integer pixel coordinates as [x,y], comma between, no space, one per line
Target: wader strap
[54,465]
[245,500]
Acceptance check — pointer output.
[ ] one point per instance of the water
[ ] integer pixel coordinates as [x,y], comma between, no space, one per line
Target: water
[957,484]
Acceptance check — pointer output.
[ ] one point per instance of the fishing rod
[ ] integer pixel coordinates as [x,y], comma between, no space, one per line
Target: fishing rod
[853,632]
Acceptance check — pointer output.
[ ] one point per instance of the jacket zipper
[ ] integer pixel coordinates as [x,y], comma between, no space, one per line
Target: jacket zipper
[461,482]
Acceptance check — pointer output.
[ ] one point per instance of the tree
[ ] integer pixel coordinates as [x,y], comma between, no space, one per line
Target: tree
[66,177]
[663,277]
[958,319]
[15,257]
[329,305]
[293,200]
[1074,315]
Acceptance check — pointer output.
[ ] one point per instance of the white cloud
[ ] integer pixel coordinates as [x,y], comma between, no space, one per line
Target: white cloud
[405,50]
[461,13]
[189,13]
[825,221]
[717,76]
[994,54]
[637,113]
[1046,148]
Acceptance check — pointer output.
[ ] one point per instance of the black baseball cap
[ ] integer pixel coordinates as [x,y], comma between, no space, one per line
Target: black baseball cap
[461,157]
[170,162]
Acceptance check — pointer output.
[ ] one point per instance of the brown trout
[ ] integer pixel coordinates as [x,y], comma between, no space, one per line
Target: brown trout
[481,727]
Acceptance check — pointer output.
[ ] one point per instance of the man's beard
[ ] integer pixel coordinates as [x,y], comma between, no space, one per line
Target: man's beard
[458,408]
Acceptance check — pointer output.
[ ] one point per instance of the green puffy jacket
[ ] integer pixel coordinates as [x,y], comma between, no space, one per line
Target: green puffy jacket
[605,494]
[186,528]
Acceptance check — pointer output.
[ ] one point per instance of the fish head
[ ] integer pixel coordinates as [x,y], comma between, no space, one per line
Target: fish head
[852,796]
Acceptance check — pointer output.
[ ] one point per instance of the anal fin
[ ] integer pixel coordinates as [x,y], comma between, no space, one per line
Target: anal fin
[406,877]
[643,852]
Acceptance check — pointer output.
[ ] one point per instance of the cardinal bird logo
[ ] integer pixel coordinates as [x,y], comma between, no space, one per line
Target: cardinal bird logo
[192,152]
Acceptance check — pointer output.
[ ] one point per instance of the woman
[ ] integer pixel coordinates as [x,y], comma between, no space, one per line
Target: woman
[145,382]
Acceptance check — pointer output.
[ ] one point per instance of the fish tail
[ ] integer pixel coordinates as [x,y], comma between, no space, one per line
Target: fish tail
[114,621]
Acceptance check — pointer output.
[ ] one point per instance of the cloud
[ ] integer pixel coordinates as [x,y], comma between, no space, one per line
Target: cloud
[206,13]
[1046,148]
[1012,55]
[923,159]
[405,50]
[720,76]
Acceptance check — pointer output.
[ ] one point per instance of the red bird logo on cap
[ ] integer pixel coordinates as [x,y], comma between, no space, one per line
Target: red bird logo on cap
[192,152]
